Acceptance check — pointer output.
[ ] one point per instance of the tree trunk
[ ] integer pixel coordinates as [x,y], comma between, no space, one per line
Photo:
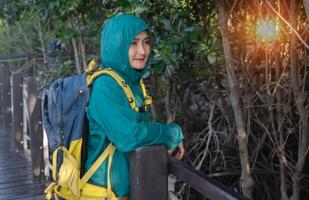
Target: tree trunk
[168,97]
[42,41]
[76,56]
[299,101]
[154,88]
[281,148]
[246,180]
[306,5]
[26,39]
[82,52]
[75,48]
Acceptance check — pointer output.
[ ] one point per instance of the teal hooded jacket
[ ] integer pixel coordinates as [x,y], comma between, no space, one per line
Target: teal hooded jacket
[111,118]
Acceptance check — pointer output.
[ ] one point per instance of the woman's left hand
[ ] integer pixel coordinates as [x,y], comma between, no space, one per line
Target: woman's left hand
[180,151]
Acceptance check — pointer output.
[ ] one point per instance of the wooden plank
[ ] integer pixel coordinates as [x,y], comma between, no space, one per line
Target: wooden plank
[148,174]
[35,127]
[26,134]
[200,182]
[15,56]
[16,177]
[1,92]
[17,110]
[22,192]
[6,96]
[9,156]
[17,184]
[14,169]
[28,196]
[40,197]
[11,162]
[7,159]
[18,174]
[21,187]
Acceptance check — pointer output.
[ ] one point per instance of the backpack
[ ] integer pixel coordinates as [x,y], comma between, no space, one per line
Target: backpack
[64,108]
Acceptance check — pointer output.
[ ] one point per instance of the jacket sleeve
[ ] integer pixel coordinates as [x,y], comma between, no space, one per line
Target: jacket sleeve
[124,127]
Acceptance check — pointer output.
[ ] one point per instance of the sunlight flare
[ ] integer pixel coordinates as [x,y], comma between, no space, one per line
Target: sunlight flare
[267,30]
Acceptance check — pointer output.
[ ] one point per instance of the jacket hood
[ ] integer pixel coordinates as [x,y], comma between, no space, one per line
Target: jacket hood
[116,38]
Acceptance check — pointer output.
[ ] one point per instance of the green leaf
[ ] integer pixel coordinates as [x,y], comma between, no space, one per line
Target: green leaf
[140,9]
[167,24]
[189,29]
[124,3]
[212,58]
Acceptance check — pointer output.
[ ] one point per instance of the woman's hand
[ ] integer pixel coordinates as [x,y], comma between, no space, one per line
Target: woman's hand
[180,151]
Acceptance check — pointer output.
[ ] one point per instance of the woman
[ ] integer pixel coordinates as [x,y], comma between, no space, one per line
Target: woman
[125,48]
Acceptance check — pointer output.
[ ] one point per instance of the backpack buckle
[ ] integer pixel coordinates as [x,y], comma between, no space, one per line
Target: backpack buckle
[141,109]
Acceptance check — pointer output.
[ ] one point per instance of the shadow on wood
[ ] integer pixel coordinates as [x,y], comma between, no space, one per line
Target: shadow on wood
[17,110]
[6,95]
[35,126]
[148,173]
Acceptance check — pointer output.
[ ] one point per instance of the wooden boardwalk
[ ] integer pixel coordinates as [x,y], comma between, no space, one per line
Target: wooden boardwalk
[16,179]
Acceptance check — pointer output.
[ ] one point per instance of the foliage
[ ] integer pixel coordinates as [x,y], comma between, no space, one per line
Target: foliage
[46,76]
[189,76]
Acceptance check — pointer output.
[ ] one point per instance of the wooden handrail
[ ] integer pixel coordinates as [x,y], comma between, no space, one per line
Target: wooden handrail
[207,186]
[144,164]
[13,58]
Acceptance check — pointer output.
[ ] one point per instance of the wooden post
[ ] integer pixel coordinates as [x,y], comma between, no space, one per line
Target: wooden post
[148,174]
[6,96]
[26,135]
[1,91]
[35,127]
[17,109]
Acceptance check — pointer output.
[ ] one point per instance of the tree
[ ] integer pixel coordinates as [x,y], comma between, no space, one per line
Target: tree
[246,179]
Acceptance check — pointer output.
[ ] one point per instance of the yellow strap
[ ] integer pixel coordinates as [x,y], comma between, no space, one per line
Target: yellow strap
[92,67]
[50,190]
[109,187]
[127,90]
[108,151]
[117,198]
[68,156]
[55,163]
[148,99]
[53,186]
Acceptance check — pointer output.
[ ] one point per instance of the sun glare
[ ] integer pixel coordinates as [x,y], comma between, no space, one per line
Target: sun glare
[267,30]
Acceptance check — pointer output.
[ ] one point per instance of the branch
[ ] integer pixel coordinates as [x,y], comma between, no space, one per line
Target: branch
[287,23]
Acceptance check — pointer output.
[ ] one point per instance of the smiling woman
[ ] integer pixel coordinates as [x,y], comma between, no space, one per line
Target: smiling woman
[139,51]
[125,49]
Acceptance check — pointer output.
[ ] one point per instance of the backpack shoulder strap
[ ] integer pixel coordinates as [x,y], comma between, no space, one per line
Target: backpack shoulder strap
[127,90]
[108,152]
[148,99]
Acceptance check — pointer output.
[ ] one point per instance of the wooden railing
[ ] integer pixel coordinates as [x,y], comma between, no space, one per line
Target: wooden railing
[14,58]
[149,167]
[149,177]
[21,107]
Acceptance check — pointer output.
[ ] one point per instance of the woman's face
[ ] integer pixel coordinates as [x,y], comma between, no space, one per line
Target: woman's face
[139,51]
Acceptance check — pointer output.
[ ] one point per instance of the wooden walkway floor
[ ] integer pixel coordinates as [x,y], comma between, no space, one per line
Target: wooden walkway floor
[16,180]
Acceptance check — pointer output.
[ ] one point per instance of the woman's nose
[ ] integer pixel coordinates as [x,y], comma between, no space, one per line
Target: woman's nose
[141,49]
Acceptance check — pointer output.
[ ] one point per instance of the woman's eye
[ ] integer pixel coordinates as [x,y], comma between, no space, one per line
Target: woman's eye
[134,43]
[147,42]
